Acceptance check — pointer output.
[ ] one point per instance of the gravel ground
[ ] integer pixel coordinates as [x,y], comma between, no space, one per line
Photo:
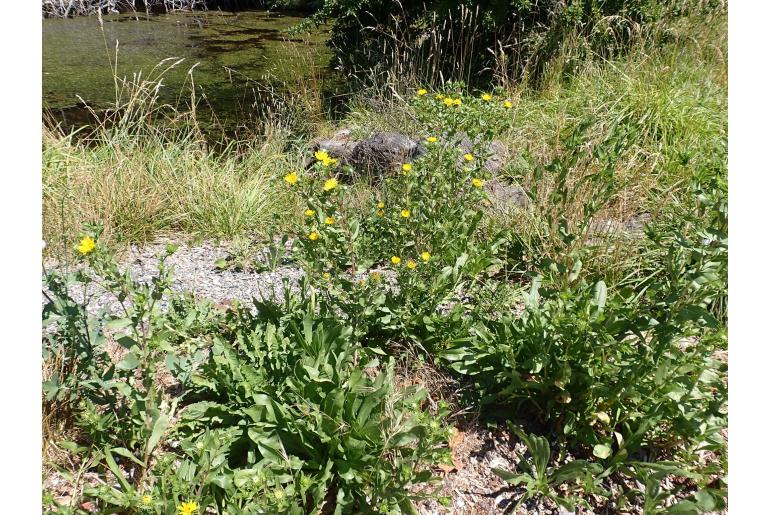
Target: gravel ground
[194,271]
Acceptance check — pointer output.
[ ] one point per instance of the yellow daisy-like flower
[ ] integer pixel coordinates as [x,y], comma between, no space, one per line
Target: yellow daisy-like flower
[448,102]
[291,178]
[406,167]
[188,508]
[330,184]
[329,161]
[322,155]
[439,96]
[431,139]
[486,97]
[146,500]
[395,260]
[478,183]
[468,157]
[381,204]
[411,264]
[457,102]
[421,92]
[87,245]
[309,212]
[425,256]
[405,213]
[508,104]
[375,276]
[327,275]
[329,220]
[313,236]
[380,213]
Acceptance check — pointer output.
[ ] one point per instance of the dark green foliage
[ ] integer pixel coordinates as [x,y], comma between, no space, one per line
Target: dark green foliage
[462,40]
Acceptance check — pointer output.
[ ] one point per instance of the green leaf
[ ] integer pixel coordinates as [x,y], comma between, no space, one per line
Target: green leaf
[158,429]
[116,470]
[602,451]
[127,342]
[130,362]
[119,323]
[600,295]
[122,451]
[510,477]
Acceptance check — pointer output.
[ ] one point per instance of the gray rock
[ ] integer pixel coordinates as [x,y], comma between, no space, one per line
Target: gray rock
[385,151]
[506,197]
[633,227]
[339,146]
[382,151]
[495,161]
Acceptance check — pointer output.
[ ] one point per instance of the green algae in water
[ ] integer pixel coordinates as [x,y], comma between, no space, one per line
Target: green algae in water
[233,54]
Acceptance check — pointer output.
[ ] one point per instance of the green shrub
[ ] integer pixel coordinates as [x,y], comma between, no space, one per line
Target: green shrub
[295,408]
[281,410]
[422,228]
[431,42]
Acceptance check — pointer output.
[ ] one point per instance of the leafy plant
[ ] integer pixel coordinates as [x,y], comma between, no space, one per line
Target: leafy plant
[295,407]
[540,479]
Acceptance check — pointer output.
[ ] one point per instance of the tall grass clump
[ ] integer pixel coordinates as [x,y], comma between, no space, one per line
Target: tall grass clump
[141,186]
[668,96]
[145,168]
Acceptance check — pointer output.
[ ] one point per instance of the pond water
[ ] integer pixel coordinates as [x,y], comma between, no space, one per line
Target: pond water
[234,55]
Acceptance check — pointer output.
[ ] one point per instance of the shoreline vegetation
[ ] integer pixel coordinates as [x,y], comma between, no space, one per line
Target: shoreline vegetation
[69,8]
[417,323]
[675,89]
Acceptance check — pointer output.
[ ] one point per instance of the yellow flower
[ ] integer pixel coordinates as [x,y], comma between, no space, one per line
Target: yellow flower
[431,139]
[406,167]
[439,96]
[395,260]
[188,508]
[313,236]
[448,102]
[291,178]
[457,102]
[375,276]
[330,184]
[468,157]
[508,104]
[486,97]
[146,500]
[322,155]
[410,264]
[380,213]
[380,204]
[309,212]
[478,183]
[87,245]
[329,220]
[326,275]
[405,213]
[329,161]
[425,256]
[421,92]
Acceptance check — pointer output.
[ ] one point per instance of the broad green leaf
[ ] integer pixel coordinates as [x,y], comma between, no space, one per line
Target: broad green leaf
[129,362]
[119,323]
[158,429]
[602,451]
